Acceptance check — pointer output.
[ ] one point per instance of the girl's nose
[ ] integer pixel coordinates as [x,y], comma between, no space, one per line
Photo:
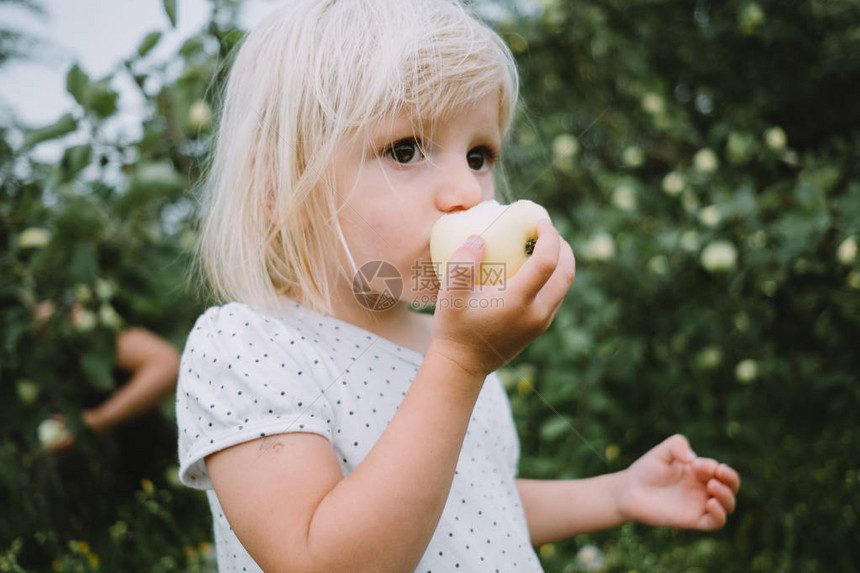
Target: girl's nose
[459,187]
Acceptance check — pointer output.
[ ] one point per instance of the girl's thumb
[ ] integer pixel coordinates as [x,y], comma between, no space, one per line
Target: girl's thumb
[474,243]
[464,264]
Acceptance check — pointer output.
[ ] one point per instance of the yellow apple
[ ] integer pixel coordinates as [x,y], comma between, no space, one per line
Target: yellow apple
[509,232]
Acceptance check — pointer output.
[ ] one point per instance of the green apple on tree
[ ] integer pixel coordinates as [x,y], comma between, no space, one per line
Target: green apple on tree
[509,233]
[53,433]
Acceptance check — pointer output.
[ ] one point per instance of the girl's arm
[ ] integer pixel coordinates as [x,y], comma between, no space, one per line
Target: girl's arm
[285,496]
[153,365]
[560,509]
[292,509]
[668,486]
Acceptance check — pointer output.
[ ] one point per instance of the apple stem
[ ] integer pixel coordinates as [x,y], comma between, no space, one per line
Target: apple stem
[530,246]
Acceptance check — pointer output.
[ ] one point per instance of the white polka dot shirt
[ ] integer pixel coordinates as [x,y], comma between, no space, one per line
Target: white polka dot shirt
[246,374]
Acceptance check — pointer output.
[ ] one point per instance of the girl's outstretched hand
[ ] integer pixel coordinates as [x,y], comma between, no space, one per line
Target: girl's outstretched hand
[483,327]
[670,486]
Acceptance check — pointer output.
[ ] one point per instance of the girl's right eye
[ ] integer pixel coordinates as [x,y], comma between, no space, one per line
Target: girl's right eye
[405,151]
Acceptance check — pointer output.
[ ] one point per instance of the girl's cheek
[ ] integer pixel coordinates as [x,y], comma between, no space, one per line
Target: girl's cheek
[489,184]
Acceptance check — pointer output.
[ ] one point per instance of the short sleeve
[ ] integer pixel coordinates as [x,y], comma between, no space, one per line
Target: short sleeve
[243,375]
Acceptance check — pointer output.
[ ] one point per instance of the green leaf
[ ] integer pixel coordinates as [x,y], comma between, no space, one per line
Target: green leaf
[78,84]
[152,135]
[149,42]
[823,179]
[95,97]
[81,220]
[5,149]
[98,368]
[801,232]
[538,467]
[556,427]
[191,47]
[148,185]
[83,265]
[170,9]
[61,127]
[101,99]
[158,177]
[849,206]
[74,160]
[743,202]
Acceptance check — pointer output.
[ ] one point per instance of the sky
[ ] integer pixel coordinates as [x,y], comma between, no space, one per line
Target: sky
[97,35]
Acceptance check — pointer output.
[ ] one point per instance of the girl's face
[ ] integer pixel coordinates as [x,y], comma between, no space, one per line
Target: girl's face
[390,201]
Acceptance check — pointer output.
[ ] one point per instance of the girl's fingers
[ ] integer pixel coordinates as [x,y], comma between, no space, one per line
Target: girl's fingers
[461,269]
[675,448]
[707,468]
[704,469]
[715,516]
[722,494]
[729,477]
[555,289]
[543,261]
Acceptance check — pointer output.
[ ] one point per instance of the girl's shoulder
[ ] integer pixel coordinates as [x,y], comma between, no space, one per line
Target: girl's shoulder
[246,374]
[243,329]
[233,312]
[241,320]
[239,329]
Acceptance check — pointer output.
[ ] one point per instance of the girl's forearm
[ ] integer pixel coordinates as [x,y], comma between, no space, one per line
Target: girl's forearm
[384,514]
[560,509]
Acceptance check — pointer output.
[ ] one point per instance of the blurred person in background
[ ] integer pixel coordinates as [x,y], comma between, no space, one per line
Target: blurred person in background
[131,434]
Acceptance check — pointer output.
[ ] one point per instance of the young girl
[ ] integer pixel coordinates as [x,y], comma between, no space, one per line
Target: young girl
[332,437]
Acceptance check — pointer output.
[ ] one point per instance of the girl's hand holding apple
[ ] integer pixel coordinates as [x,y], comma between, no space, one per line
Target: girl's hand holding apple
[481,327]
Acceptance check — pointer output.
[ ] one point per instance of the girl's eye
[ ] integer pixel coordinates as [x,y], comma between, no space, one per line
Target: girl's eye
[481,158]
[405,151]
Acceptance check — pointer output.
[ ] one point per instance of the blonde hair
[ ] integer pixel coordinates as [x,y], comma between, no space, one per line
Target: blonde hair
[311,75]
